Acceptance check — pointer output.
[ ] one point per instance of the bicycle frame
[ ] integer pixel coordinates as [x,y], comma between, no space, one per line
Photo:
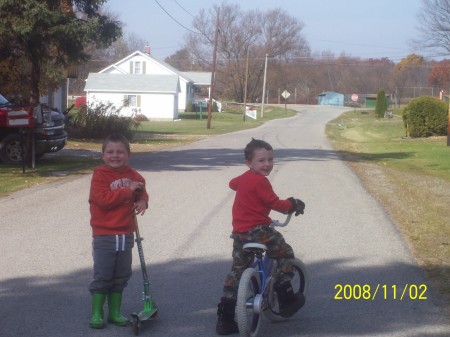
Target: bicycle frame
[264,266]
[263,262]
[256,295]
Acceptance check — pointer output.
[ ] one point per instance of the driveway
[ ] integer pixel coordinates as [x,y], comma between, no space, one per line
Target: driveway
[345,238]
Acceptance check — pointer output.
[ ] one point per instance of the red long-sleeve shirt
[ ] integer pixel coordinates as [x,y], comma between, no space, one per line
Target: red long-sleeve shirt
[111,201]
[253,202]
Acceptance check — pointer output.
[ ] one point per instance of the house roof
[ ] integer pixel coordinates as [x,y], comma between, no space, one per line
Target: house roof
[132,83]
[163,64]
[199,78]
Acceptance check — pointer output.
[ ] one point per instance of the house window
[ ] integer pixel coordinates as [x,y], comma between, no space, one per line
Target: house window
[131,100]
[137,68]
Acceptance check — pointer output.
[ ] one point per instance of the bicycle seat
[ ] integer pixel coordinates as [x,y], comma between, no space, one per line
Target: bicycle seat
[254,247]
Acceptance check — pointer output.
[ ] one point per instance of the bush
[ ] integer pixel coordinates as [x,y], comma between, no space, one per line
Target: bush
[190,107]
[101,120]
[381,106]
[79,102]
[425,116]
[140,118]
[215,108]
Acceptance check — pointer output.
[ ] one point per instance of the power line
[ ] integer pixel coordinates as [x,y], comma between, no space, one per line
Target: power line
[175,19]
[183,8]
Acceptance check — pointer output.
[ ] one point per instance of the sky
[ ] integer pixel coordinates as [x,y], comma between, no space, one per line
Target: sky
[358,28]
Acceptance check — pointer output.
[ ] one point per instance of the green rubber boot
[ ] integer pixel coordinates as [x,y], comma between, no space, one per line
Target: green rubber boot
[114,316]
[96,321]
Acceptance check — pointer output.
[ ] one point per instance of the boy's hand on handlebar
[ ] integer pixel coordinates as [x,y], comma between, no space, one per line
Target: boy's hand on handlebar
[298,206]
[140,206]
[136,186]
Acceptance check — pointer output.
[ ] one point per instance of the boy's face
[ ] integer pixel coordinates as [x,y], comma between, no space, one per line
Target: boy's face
[115,155]
[262,162]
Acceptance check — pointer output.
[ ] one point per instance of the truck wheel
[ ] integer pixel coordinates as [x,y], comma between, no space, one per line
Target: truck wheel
[11,149]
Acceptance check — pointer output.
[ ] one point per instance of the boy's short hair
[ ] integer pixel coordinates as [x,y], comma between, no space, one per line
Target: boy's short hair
[255,144]
[116,138]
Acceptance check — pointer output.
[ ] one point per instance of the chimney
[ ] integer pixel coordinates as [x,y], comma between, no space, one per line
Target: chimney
[147,49]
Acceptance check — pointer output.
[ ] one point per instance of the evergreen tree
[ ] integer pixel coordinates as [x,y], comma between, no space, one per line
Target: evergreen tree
[40,40]
[381,106]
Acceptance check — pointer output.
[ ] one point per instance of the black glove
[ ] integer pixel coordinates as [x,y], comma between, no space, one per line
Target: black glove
[298,206]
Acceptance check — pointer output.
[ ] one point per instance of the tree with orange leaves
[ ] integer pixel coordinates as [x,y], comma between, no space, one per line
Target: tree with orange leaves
[440,75]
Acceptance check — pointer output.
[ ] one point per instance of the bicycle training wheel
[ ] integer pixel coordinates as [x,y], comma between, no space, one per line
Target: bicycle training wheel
[300,283]
[247,318]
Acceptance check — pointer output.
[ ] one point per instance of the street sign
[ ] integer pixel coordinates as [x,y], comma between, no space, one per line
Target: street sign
[286,94]
[354,98]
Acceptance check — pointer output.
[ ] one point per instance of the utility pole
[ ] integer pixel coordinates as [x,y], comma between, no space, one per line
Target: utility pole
[448,126]
[213,74]
[264,88]
[245,89]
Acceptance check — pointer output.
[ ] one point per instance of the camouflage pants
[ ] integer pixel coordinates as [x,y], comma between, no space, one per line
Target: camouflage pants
[277,248]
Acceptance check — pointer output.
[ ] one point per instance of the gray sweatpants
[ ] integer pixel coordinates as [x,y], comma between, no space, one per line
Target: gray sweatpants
[112,262]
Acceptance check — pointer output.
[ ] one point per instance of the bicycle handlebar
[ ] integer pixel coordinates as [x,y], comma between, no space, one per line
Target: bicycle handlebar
[282,224]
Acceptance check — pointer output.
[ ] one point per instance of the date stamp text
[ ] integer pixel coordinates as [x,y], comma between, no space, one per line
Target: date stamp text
[367,292]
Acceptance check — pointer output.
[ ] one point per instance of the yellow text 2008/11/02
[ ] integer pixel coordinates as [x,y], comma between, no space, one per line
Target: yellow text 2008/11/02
[347,292]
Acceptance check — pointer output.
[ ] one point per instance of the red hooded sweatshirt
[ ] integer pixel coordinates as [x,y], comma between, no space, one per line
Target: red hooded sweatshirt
[111,201]
[253,202]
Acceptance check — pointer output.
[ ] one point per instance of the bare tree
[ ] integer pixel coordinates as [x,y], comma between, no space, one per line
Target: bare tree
[101,58]
[434,25]
[251,33]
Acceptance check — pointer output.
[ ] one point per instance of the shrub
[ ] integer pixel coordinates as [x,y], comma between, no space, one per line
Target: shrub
[79,102]
[214,108]
[425,116]
[100,120]
[140,118]
[190,107]
[381,106]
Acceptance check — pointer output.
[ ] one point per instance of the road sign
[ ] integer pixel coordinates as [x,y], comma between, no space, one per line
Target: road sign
[286,94]
[355,98]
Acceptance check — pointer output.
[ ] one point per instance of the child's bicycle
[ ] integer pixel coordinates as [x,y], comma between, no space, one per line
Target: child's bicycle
[256,295]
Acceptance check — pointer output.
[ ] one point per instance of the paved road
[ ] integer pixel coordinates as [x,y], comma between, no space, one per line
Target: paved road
[344,238]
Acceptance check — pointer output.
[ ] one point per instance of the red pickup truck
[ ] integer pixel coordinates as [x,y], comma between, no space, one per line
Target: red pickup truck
[20,123]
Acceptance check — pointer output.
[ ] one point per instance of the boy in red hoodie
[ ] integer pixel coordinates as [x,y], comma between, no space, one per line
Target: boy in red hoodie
[117,192]
[253,202]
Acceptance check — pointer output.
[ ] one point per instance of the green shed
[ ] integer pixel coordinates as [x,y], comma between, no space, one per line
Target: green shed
[371,101]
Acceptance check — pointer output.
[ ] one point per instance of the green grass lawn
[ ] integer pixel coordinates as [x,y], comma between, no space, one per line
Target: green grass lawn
[383,141]
[223,122]
[48,169]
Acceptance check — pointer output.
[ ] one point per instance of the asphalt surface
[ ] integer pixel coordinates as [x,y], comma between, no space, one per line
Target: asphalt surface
[345,238]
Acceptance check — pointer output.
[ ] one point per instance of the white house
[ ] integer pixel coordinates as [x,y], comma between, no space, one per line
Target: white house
[146,85]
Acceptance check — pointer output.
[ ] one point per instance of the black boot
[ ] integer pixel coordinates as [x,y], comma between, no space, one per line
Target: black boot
[289,302]
[225,317]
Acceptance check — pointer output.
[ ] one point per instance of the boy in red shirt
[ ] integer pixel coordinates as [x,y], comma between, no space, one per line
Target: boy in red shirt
[117,192]
[253,202]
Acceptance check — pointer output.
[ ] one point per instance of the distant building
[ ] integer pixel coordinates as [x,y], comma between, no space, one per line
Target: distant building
[141,84]
[330,98]
[371,101]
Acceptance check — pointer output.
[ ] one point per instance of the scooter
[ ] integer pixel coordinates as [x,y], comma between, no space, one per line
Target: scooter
[150,310]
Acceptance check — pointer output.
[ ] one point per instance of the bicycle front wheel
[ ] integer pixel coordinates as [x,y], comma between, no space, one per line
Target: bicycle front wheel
[248,318]
[300,284]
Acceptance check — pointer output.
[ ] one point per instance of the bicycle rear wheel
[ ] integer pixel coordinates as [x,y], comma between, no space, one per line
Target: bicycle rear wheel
[300,283]
[248,318]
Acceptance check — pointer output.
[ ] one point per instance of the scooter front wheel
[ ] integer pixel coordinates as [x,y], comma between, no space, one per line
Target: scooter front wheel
[135,324]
